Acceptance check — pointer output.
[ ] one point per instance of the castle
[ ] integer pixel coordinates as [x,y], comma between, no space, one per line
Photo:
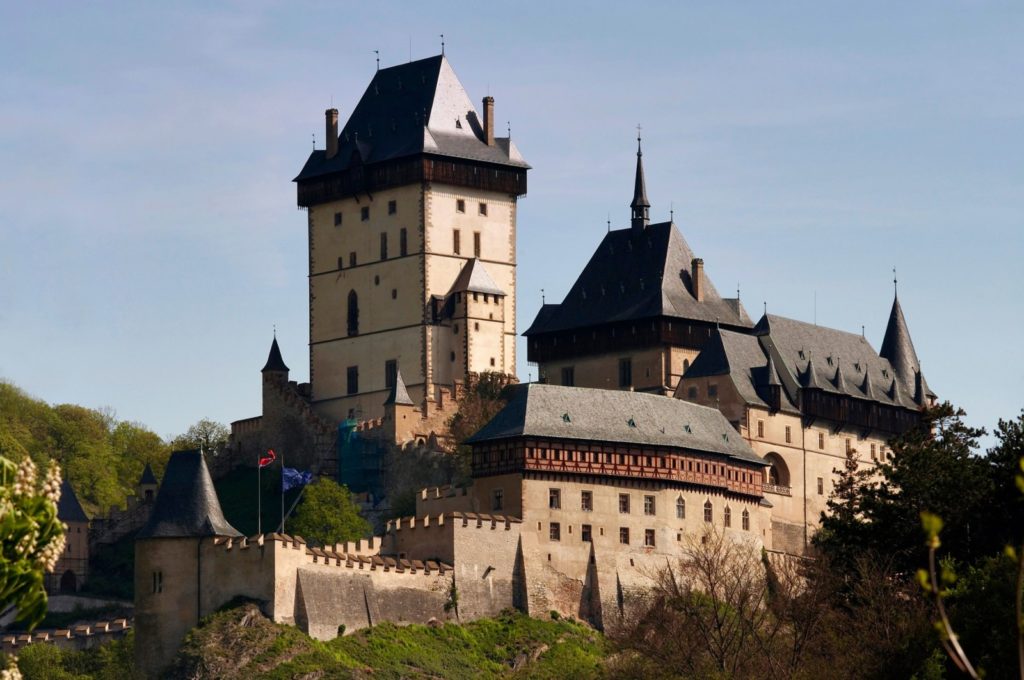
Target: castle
[662,409]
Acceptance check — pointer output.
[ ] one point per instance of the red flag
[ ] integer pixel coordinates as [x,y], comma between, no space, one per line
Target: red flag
[268,459]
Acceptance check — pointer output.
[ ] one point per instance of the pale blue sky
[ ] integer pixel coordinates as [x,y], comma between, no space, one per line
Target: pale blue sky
[149,238]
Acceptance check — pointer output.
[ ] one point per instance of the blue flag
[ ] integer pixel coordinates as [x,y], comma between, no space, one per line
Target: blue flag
[291,478]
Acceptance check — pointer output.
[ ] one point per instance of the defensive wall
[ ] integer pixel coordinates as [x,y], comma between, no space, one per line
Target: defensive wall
[78,637]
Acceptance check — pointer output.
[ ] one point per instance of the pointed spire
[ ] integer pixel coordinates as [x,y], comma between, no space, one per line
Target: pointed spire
[147,476]
[921,391]
[839,380]
[274,361]
[399,394]
[810,379]
[898,348]
[866,386]
[640,205]
[773,376]
[894,391]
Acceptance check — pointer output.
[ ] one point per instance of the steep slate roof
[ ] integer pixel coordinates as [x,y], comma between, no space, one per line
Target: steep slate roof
[741,358]
[898,348]
[187,504]
[275,362]
[147,476]
[634,276]
[604,415]
[839,361]
[410,109]
[475,278]
[399,394]
[68,507]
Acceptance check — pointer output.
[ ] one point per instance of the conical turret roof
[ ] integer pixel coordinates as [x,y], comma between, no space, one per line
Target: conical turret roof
[399,394]
[274,360]
[639,184]
[187,504]
[147,476]
[68,507]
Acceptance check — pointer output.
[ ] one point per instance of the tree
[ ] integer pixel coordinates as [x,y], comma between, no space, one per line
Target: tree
[484,396]
[327,515]
[208,435]
[31,536]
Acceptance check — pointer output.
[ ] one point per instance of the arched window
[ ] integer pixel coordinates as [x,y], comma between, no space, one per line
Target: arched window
[746,521]
[727,516]
[680,508]
[686,365]
[778,473]
[353,313]
[707,511]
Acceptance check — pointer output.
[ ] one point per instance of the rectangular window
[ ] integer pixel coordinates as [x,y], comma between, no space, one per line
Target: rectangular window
[789,434]
[624,535]
[680,508]
[337,219]
[498,499]
[392,207]
[624,503]
[760,429]
[158,582]
[821,440]
[568,376]
[456,245]
[587,501]
[746,521]
[341,262]
[712,391]
[384,245]
[874,452]
[648,505]
[555,532]
[649,538]
[390,373]
[352,374]
[476,244]
[625,372]
[727,517]
[482,209]
[585,533]
[403,242]
[821,486]
[460,205]
[364,213]
[555,499]
[708,512]
[352,259]
[849,445]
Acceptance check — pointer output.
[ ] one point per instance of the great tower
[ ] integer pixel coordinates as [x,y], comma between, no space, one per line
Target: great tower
[412,244]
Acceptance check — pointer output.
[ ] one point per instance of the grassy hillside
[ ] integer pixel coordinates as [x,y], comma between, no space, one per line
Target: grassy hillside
[240,643]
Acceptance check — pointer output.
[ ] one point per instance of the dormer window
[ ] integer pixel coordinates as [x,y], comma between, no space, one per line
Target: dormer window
[458,123]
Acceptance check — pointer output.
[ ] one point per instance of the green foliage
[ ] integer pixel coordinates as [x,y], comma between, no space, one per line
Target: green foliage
[208,435]
[31,536]
[237,493]
[110,661]
[327,515]
[103,457]
[239,643]
[112,569]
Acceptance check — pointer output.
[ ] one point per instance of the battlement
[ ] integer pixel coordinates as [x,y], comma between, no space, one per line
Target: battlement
[374,562]
[81,636]
[442,492]
[364,546]
[462,519]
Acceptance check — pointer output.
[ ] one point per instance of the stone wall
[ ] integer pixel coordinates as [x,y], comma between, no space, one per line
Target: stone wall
[79,637]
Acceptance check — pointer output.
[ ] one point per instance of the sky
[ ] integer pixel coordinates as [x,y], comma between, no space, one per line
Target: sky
[150,240]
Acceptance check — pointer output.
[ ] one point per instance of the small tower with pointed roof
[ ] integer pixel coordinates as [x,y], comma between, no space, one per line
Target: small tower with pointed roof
[400,413]
[147,487]
[169,587]
[898,349]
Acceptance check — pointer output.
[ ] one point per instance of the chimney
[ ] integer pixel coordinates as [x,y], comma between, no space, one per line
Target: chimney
[332,132]
[489,120]
[697,278]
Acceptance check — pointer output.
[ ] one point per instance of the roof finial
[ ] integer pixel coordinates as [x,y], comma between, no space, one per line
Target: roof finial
[895,286]
[640,207]
[442,44]
[609,220]
[737,291]
[671,211]
[275,331]
[314,141]
[377,52]
[542,296]
[508,128]
[862,330]
[765,303]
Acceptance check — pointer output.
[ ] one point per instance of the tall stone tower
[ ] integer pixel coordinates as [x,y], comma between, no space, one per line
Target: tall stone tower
[412,243]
